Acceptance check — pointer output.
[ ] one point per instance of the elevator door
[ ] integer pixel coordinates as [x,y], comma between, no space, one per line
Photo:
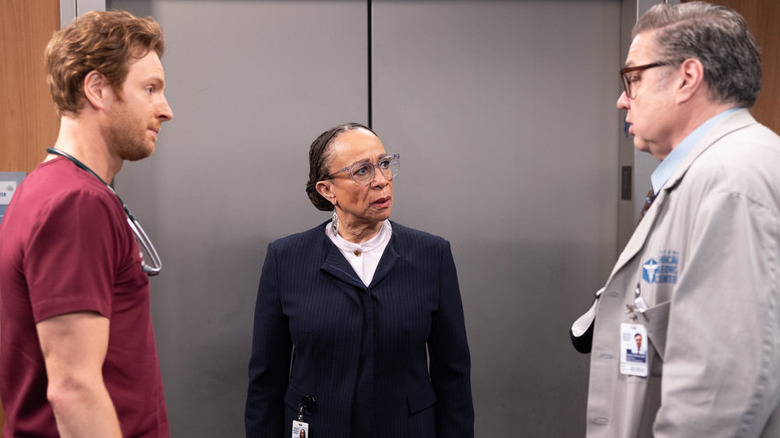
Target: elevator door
[503,113]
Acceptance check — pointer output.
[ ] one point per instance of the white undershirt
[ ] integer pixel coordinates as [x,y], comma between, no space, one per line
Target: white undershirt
[363,257]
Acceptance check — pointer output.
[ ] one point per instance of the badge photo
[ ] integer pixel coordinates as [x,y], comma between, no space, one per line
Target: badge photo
[633,350]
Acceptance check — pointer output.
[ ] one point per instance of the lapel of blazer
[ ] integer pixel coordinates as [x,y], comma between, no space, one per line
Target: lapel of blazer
[387,262]
[337,265]
[738,120]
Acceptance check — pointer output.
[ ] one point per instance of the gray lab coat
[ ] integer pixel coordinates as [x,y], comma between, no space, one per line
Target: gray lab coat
[707,260]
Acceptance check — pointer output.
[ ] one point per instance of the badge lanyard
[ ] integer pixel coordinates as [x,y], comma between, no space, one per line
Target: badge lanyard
[300,429]
[633,339]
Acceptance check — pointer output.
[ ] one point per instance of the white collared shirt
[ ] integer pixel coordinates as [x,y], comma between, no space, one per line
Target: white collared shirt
[364,257]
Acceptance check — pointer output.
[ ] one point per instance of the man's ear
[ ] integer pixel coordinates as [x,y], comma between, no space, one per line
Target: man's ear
[96,89]
[325,188]
[692,74]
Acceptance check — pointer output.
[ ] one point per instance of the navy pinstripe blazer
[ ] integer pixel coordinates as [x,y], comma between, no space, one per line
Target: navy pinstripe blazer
[360,351]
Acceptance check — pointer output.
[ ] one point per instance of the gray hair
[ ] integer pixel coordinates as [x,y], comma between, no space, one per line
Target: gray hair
[715,35]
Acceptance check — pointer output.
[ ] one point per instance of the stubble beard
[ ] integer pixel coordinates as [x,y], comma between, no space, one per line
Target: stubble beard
[122,138]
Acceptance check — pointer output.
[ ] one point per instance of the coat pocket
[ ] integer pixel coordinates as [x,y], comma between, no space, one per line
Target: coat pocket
[421,400]
[657,321]
[422,415]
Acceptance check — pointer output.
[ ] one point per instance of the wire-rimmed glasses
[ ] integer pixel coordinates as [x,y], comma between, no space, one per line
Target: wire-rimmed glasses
[363,172]
[630,79]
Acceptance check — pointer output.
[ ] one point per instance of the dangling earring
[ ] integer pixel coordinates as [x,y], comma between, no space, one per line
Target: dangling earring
[335,222]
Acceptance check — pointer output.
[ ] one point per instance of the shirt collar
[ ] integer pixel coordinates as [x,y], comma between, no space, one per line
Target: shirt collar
[672,162]
[376,242]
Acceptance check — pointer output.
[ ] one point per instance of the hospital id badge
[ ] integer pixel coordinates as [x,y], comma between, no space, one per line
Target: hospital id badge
[633,350]
[300,429]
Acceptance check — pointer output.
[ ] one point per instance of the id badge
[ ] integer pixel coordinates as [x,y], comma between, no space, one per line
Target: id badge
[300,429]
[633,350]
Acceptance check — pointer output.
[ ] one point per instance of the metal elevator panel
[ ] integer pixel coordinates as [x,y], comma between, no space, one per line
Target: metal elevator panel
[503,112]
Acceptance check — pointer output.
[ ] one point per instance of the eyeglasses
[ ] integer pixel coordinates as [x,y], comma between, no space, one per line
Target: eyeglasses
[363,172]
[630,79]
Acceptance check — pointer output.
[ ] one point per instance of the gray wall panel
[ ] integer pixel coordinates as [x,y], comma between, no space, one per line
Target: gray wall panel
[251,84]
[503,112]
[504,115]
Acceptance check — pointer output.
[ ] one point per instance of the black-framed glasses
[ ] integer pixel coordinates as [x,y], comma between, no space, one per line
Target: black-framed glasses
[628,79]
[363,172]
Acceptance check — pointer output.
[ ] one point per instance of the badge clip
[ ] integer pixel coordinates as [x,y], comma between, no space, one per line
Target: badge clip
[639,306]
[300,428]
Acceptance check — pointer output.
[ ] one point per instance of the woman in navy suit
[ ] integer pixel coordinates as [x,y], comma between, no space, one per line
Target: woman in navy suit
[359,327]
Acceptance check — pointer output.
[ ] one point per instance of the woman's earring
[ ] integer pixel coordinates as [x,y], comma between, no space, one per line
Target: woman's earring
[335,222]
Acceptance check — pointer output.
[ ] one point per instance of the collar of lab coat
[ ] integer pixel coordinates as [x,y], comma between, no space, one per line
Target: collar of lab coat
[737,120]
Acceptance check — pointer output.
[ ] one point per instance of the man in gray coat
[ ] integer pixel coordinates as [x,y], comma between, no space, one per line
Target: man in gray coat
[699,279]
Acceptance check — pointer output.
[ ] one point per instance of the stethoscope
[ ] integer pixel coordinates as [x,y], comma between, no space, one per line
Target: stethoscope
[138,231]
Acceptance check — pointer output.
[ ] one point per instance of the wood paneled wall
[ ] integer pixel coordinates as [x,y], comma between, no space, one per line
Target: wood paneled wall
[28,118]
[763,16]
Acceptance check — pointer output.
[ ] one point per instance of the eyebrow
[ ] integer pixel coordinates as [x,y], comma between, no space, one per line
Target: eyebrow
[366,160]
[156,80]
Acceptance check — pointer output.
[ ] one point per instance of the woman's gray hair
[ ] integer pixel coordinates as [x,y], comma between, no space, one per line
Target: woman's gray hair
[715,35]
[319,157]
